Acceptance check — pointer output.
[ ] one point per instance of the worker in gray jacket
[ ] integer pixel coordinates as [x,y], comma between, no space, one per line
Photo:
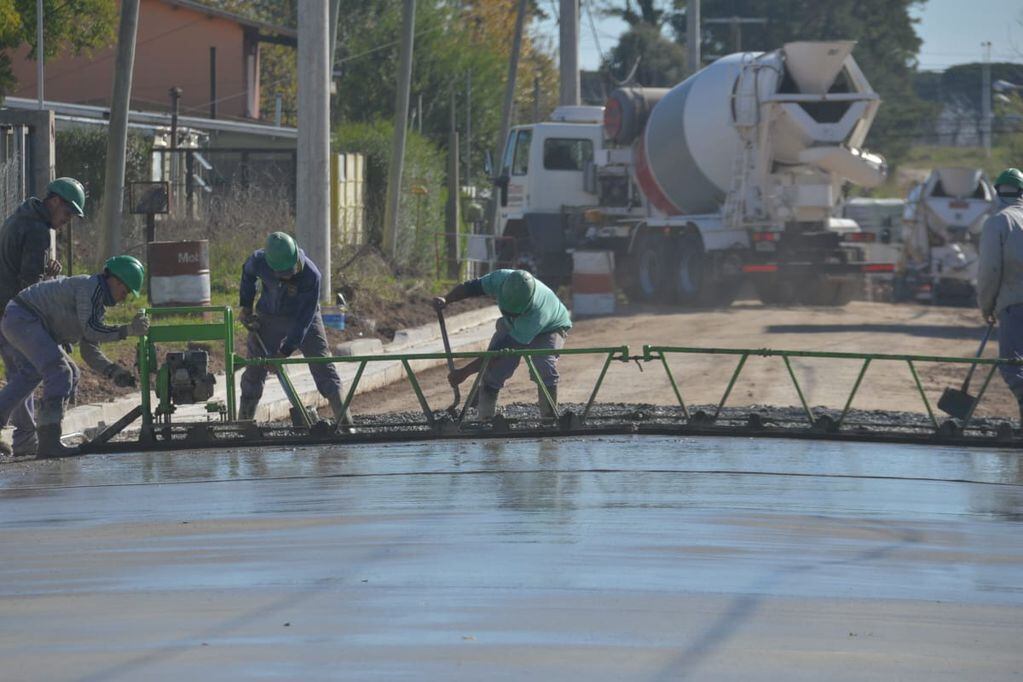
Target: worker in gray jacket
[1000,276]
[40,320]
[24,260]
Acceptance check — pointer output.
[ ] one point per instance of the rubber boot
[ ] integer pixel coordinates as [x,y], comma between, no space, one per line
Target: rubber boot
[247,409]
[342,416]
[29,447]
[486,403]
[51,414]
[546,413]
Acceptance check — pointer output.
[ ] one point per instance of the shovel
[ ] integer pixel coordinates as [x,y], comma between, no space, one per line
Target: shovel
[299,415]
[453,409]
[958,402]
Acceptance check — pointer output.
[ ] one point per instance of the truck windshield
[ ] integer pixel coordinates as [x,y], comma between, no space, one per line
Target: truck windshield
[567,153]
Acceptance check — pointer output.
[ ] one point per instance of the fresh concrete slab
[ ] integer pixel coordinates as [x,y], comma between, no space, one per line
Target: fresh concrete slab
[621,558]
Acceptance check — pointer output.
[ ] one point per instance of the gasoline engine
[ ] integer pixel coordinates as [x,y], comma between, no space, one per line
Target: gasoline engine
[184,379]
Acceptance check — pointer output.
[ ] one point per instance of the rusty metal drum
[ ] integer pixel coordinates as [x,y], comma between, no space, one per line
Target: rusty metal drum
[179,273]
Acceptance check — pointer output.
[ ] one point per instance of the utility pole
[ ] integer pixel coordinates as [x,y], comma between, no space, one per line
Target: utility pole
[408,22]
[454,191]
[569,52]
[468,128]
[40,52]
[693,35]
[213,82]
[312,214]
[506,111]
[117,140]
[985,99]
[536,99]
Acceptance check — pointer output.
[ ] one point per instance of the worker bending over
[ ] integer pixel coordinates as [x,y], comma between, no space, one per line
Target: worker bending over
[286,318]
[25,260]
[532,317]
[43,319]
[1000,276]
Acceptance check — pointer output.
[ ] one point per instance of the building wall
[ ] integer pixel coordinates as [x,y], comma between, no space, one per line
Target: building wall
[172,49]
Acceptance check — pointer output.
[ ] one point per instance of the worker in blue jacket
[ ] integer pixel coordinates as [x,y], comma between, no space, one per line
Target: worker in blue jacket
[285,319]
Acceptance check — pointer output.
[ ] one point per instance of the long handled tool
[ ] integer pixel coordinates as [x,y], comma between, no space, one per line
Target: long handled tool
[298,411]
[453,409]
[958,402]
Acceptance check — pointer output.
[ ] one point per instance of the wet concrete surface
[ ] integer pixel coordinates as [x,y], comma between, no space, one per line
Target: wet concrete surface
[621,558]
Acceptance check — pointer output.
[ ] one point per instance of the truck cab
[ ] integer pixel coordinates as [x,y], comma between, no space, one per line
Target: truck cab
[546,168]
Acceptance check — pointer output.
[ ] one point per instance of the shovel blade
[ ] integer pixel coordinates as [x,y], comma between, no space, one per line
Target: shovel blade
[956,403]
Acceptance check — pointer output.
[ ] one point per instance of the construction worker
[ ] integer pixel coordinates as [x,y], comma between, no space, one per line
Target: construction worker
[286,318]
[532,317]
[37,324]
[24,260]
[1000,276]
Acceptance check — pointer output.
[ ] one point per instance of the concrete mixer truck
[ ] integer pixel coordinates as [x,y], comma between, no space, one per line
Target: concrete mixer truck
[736,172]
[942,224]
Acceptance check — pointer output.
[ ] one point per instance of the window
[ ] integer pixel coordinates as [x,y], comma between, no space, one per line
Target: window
[567,154]
[520,163]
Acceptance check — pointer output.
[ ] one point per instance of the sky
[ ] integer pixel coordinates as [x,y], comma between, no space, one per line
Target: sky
[952,31]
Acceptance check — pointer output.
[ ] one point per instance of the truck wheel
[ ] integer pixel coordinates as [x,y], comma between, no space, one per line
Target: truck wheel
[648,270]
[826,292]
[697,282]
[774,290]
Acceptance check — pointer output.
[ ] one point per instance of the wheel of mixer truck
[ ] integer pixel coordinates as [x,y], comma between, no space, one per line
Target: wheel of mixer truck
[700,282]
[828,292]
[647,272]
[775,290]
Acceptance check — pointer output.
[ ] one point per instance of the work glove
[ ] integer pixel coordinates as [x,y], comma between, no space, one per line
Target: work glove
[250,320]
[53,268]
[121,377]
[285,349]
[139,326]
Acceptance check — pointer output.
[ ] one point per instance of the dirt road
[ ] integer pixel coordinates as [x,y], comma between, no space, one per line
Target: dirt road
[859,327]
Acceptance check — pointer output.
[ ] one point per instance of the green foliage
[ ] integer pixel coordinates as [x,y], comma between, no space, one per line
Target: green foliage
[645,13]
[69,26]
[81,153]
[658,61]
[420,215]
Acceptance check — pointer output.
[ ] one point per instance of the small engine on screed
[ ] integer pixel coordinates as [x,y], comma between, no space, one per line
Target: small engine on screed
[185,378]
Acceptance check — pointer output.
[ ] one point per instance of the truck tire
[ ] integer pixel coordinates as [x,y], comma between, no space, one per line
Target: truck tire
[775,290]
[696,279]
[827,292]
[647,277]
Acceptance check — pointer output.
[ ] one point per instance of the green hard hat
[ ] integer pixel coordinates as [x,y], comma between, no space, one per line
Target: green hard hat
[129,270]
[517,292]
[1010,176]
[281,251]
[71,191]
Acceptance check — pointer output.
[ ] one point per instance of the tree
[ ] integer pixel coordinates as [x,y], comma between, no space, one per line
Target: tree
[651,59]
[69,26]
[646,13]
